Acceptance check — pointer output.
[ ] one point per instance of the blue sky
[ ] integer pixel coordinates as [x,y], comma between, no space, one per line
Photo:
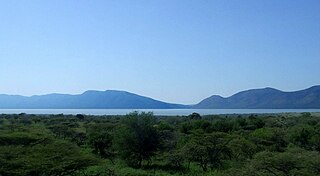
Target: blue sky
[174,50]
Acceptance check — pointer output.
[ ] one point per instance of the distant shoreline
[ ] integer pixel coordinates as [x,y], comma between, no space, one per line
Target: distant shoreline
[156,112]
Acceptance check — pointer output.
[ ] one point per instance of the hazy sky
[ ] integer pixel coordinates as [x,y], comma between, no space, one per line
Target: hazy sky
[173,50]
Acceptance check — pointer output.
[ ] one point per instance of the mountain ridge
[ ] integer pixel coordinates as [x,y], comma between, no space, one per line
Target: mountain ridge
[261,98]
[91,99]
[265,98]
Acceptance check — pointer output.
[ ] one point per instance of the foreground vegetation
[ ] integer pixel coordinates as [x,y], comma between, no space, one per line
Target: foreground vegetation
[142,144]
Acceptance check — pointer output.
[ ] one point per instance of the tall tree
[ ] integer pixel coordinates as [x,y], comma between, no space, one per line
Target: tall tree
[137,139]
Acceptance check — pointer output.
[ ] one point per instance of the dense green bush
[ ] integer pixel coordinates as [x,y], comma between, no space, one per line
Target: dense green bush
[143,144]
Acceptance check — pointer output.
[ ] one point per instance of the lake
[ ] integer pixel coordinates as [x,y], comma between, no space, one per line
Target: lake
[169,112]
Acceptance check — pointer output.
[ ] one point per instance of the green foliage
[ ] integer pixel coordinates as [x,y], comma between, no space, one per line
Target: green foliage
[293,162]
[272,139]
[209,150]
[242,148]
[194,116]
[29,153]
[255,123]
[176,159]
[19,138]
[305,136]
[137,139]
[58,158]
[186,128]
[225,126]
[142,144]
[100,138]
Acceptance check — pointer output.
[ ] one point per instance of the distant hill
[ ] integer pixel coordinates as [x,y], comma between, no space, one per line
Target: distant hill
[267,98]
[110,99]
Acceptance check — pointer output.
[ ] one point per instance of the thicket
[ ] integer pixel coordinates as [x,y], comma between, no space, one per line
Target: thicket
[144,144]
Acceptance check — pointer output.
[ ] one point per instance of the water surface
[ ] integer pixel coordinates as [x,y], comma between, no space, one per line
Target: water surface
[170,112]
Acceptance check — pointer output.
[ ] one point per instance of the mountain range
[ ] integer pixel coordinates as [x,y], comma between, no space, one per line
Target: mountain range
[266,98]
[110,99]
